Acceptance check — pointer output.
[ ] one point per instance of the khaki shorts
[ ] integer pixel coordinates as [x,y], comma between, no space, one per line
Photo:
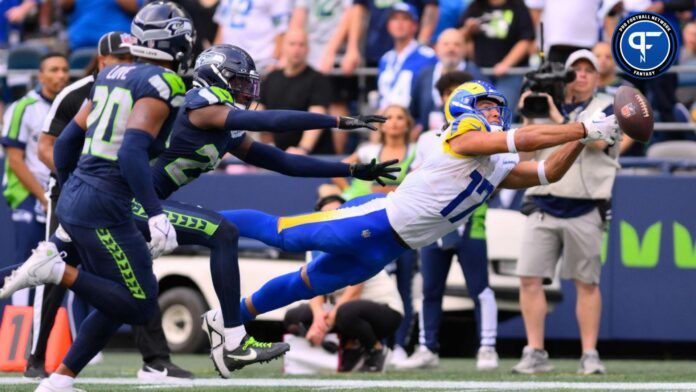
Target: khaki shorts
[576,241]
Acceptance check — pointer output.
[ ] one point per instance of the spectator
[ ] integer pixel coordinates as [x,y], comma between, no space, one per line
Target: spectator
[468,243]
[394,144]
[688,54]
[299,87]
[88,20]
[609,80]
[202,13]
[502,34]
[426,102]
[320,20]
[566,220]
[377,13]
[326,24]
[570,25]
[399,66]
[450,16]
[12,15]
[364,315]
[255,26]
[26,178]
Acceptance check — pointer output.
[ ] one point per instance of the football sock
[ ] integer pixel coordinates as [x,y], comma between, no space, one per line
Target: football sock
[94,334]
[61,381]
[224,270]
[234,336]
[489,317]
[278,292]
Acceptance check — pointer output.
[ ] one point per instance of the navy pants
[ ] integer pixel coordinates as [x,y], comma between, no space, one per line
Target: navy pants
[29,223]
[472,256]
[404,267]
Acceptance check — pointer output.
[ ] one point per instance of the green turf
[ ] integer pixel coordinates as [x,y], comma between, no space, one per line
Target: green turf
[126,365]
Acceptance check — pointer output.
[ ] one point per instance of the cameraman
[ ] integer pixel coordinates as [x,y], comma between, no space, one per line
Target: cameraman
[566,219]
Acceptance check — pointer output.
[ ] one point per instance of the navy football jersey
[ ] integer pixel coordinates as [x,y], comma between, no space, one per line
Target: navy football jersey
[191,151]
[113,95]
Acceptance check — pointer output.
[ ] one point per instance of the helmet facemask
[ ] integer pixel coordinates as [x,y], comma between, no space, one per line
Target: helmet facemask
[245,88]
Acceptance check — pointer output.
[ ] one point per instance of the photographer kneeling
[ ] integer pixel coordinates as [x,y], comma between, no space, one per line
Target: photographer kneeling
[566,219]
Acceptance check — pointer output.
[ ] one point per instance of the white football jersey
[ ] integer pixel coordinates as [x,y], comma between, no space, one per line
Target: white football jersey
[447,187]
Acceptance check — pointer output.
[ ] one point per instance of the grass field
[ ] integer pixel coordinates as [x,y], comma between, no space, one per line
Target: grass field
[117,373]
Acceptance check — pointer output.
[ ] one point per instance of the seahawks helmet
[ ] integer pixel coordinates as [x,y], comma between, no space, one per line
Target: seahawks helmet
[231,68]
[464,98]
[164,31]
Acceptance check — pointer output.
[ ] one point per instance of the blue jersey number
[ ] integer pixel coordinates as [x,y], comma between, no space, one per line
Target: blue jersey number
[479,185]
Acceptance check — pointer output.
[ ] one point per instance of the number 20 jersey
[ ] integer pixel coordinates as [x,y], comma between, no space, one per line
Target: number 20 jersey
[106,201]
[443,192]
[115,92]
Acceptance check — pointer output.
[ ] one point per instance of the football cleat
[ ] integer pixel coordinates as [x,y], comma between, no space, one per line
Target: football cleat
[37,270]
[249,350]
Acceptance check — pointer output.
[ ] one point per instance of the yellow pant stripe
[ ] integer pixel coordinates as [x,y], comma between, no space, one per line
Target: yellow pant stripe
[325,216]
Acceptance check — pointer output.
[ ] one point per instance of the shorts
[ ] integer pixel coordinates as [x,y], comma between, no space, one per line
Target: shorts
[576,241]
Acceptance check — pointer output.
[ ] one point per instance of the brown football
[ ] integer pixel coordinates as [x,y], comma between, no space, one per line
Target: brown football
[634,114]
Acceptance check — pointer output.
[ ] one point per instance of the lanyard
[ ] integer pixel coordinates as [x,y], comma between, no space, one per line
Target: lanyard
[397,65]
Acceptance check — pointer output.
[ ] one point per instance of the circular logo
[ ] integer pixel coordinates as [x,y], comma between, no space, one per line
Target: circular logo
[644,45]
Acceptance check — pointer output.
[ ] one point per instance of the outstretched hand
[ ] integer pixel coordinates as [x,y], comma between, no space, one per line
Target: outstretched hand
[360,122]
[374,171]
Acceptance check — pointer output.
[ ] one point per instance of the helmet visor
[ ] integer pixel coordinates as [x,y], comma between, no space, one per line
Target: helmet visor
[245,88]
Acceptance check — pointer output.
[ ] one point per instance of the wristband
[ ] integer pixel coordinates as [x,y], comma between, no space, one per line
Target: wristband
[511,141]
[541,172]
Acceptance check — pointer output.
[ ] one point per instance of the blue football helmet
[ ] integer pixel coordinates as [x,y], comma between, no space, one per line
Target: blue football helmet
[164,31]
[465,97]
[231,68]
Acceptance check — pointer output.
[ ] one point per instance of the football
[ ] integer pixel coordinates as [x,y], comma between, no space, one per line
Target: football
[634,114]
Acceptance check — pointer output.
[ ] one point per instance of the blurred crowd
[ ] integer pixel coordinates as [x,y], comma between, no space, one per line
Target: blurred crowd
[312,52]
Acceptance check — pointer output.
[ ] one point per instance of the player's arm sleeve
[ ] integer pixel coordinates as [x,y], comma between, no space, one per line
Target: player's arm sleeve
[272,158]
[67,149]
[277,121]
[133,161]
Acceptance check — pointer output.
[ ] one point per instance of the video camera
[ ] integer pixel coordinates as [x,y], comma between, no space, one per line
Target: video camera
[551,79]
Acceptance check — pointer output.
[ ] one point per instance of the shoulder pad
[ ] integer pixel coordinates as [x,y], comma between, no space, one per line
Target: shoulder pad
[206,96]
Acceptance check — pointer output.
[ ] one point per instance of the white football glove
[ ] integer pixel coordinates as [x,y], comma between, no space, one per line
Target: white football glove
[162,234]
[599,127]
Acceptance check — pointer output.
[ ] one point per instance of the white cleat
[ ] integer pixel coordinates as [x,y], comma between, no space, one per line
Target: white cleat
[486,358]
[214,327]
[47,386]
[422,358]
[37,270]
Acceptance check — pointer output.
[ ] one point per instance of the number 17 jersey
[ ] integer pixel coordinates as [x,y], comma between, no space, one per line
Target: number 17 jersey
[442,193]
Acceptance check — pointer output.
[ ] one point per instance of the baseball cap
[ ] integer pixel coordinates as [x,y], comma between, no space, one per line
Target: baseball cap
[115,43]
[582,54]
[405,8]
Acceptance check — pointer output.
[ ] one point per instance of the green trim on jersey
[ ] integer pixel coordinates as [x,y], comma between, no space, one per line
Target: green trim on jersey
[176,84]
[122,262]
[180,220]
[14,191]
[18,116]
[223,95]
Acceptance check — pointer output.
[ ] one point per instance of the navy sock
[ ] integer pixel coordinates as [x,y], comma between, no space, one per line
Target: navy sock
[255,224]
[278,292]
[93,336]
[224,270]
